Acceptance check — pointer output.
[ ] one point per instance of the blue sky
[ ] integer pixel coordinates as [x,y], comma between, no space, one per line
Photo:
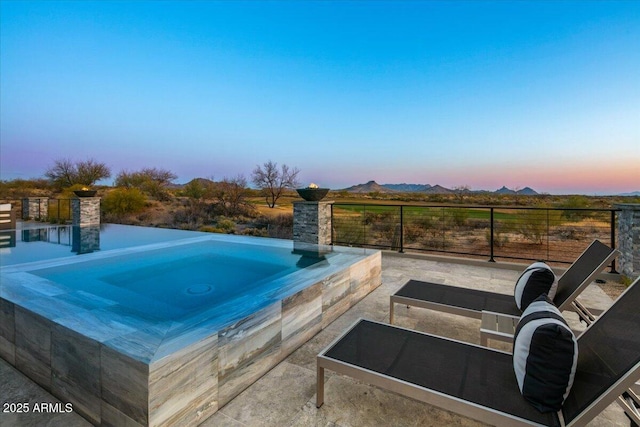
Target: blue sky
[484,94]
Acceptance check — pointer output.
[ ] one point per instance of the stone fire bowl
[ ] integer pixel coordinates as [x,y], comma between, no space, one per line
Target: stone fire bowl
[312,194]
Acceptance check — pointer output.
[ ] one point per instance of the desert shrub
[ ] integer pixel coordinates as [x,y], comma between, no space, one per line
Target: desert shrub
[534,224]
[572,206]
[281,226]
[59,210]
[425,222]
[436,242]
[194,189]
[152,181]
[226,224]
[257,232]
[282,220]
[457,217]
[19,188]
[372,218]
[223,225]
[416,220]
[500,238]
[348,230]
[349,236]
[385,226]
[472,240]
[144,217]
[192,215]
[412,233]
[123,201]
[571,233]
[278,226]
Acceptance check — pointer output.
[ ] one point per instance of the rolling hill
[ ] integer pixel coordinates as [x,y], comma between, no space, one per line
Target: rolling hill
[372,186]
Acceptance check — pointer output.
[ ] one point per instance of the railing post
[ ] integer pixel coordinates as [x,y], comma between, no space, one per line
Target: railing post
[401,229]
[548,234]
[491,236]
[364,225]
[444,231]
[332,222]
[613,238]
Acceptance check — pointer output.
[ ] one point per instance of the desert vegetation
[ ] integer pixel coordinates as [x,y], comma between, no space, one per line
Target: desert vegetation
[527,226]
[150,197]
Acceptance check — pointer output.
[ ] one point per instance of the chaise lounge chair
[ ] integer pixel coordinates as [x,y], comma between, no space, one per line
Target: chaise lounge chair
[472,302]
[479,382]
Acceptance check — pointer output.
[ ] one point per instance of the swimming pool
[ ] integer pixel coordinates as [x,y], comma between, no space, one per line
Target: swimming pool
[39,242]
[177,281]
[154,335]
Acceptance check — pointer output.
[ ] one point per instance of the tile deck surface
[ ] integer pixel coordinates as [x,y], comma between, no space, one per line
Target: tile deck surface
[285,396]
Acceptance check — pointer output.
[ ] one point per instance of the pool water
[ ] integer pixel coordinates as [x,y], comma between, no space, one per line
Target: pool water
[38,242]
[173,282]
[119,329]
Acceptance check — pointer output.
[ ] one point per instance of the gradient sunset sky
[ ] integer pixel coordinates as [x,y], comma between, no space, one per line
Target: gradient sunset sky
[484,94]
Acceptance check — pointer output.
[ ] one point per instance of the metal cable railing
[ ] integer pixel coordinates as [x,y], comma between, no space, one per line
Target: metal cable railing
[523,233]
[47,209]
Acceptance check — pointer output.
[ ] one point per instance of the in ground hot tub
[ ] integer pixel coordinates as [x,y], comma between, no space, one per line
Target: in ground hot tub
[170,332]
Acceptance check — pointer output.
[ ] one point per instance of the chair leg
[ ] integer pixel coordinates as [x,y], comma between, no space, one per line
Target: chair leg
[391,305]
[320,387]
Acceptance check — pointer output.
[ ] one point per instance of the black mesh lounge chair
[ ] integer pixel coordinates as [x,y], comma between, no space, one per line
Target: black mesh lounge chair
[472,302]
[479,382]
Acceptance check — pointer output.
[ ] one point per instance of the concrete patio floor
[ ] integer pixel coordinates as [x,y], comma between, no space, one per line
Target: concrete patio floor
[285,396]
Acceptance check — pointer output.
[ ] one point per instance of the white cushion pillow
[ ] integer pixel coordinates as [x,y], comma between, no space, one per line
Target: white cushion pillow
[536,280]
[545,355]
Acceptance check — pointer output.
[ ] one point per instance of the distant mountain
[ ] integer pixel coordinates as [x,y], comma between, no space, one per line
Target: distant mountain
[370,187]
[438,189]
[203,181]
[373,186]
[407,188]
[527,191]
[504,190]
[632,194]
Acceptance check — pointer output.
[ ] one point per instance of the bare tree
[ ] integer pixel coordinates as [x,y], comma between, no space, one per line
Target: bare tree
[273,181]
[62,173]
[231,195]
[65,172]
[461,191]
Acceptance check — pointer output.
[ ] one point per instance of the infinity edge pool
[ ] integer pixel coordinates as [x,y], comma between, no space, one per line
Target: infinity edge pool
[116,369]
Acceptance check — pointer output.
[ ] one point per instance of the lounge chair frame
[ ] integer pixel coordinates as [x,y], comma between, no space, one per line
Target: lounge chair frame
[404,388]
[458,405]
[570,303]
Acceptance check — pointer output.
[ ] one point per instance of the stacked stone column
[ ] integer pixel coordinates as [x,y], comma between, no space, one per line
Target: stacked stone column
[628,222]
[312,222]
[85,211]
[85,218]
[35,208]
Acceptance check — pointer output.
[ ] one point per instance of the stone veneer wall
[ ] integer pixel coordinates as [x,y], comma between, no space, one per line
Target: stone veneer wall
[35,208]
[628,222]
[108,387]
[312,222]
[85,211]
